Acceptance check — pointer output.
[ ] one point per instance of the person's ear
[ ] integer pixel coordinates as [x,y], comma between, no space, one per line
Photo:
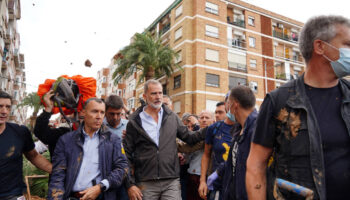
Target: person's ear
[319,47]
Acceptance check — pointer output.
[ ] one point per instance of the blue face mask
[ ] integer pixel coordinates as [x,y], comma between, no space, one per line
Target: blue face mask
[230,116]
[341,67]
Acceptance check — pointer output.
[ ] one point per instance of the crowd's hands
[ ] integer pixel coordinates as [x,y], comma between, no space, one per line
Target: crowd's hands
[91,193]
[211,180]
[181,158]
[134,193]
[48,102]
[203,189]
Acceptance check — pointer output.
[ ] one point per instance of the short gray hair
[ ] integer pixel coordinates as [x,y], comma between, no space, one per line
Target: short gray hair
[151,81]
[211,114]
[98,100]
[319,27]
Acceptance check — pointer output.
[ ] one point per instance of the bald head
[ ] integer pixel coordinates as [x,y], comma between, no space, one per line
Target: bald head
[206,118]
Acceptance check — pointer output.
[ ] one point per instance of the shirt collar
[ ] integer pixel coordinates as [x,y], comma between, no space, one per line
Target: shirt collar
[159,113]
[93,135]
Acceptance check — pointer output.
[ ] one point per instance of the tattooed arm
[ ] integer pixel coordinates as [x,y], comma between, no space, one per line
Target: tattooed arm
[256,171]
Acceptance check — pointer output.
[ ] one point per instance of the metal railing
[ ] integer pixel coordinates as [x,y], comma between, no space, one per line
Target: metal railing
[287,37]
[237,43]
[164,29]
[239,22]
[237,67]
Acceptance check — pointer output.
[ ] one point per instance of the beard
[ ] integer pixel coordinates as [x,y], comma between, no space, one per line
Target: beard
[155,105]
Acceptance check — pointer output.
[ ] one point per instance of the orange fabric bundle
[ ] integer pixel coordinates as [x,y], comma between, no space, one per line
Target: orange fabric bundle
[86,85]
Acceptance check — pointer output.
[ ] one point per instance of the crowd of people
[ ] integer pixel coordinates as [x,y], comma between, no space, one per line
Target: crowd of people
[300,135]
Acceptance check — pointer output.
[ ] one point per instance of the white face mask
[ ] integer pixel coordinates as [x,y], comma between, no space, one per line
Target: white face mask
[341,67]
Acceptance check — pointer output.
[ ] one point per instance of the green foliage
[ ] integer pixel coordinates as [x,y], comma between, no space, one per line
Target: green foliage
[32,100]
[38,186]
[148,54]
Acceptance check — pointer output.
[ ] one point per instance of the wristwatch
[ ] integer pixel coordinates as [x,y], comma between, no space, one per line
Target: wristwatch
[103,187]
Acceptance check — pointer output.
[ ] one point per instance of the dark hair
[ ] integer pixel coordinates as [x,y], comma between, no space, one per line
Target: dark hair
[5,95]
[115,102]
[221,103]
[244,95]
[98,100]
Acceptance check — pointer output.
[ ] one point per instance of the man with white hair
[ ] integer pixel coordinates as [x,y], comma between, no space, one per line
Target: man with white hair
[305,123]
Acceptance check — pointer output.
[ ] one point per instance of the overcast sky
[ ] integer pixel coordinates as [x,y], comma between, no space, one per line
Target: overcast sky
[57,36]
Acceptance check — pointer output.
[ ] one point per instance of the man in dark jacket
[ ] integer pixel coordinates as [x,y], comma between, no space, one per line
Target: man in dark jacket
[150,146]
[305,123]
[232,172]
[42,131]
[88,163]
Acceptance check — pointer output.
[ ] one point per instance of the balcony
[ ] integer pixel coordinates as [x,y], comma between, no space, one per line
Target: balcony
[288,37]
[281,76]
[237,67]
[237,43]
[239,22]
[164,29]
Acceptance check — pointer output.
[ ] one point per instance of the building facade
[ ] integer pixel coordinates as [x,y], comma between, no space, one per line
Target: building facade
[12,77]
[105,83]
[223,44]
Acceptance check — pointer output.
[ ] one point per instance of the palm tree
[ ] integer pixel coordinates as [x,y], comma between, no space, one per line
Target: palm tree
[147,54]
[32,100]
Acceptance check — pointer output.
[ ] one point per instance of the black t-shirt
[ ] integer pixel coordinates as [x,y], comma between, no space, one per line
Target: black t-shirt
[326,104]
[14,141]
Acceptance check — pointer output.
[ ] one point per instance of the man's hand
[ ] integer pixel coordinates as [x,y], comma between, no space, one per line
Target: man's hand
[91,193]
[203,190]
[48,102]
[123,134]
[134,193]
[181,158]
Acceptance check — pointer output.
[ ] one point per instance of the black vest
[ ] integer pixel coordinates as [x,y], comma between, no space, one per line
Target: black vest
[298,153]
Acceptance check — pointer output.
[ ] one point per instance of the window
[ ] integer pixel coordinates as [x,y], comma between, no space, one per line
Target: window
[178,59]
[210,104]
[177,106]
[236,81]
[251,21]
[237,62]
[252,63]
[212,31]
[177,81]
[253,86]
[212,55]
[211,8]
[178,33]
[131,103]
[104,79]
[178,11]
[212,80]
[251,42]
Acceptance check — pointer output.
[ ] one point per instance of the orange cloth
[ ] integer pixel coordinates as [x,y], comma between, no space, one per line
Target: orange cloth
[86,85]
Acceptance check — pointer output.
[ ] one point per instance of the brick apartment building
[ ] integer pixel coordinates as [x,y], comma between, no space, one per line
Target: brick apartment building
[12,75]
[223,44]
[105,84]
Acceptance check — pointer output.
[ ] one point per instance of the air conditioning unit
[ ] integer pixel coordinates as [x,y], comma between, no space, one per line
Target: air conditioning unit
[253,86]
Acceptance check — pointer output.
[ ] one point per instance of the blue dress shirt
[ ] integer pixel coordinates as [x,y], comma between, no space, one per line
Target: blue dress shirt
[119,130]
[89,169]
[150,126]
